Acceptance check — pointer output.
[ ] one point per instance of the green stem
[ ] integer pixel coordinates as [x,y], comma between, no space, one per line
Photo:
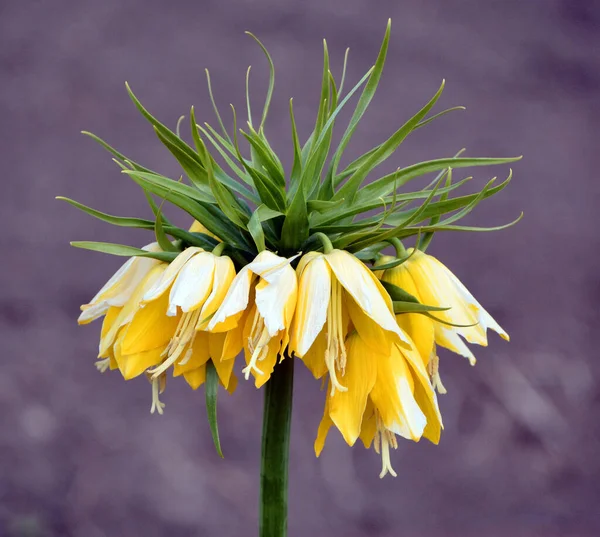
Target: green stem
[275,450]
[325,241]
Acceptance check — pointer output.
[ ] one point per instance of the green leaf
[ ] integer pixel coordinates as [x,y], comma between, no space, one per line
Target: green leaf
[397,293]
[184,154]
[321,206]
[297,166]
[171,185]
[123,250]
[114,152]
[350,188]
[271,79]
[266,157]
[411,307]
[114,220]
[161,237]
[361,107]
[211,387]
[295,226]
[262,214]
[385,185]
[438,115]
[368,254]
[214,105]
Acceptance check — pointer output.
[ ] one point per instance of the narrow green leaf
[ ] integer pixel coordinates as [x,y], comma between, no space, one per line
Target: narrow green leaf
[323,205]
[170,184]
[295,226]
[161,237]
[344,70]
[368,254]
[350,188]
[211,387]
[297,166]
[271,79]
[397,293]
[248,107]
[266,157]
[114,220]
[123,250]
[384,185]
[411,307]
[116,153]
[438,115]
[178,126]
[361,107]
[214,105]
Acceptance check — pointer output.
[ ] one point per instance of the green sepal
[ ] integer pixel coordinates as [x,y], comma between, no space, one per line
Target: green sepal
[123,250]
[211,388]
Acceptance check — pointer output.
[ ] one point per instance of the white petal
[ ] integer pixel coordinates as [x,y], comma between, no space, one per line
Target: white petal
[311,309]
[193,283]
[415,419]
[236,299]
[275,297]
[170,274]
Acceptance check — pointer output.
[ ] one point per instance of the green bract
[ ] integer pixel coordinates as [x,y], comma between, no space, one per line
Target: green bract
[253,203]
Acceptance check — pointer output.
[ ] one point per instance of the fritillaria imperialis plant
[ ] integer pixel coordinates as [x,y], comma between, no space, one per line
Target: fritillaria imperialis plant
[287,266]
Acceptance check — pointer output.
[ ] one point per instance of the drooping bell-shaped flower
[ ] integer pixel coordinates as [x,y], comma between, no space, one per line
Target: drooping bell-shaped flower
[388,394]
[337,293]
[432,283]
[259,308]
[119,288]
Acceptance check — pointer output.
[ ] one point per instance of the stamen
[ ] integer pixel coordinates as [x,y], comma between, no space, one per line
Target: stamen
[257,344]
[184,342]
[335,341]
[102,365]
[157,405]
[387,439]
[433,368]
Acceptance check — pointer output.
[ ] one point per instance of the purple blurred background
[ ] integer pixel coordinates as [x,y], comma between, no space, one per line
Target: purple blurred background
[80,454]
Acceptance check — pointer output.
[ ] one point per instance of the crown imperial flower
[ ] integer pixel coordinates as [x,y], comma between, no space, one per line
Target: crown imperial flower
[290,265]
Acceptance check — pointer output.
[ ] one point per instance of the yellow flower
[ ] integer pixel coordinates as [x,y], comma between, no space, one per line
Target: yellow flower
[337,292]
[119,288]
[388,394]
[258,308]
[433,284]
[197,282]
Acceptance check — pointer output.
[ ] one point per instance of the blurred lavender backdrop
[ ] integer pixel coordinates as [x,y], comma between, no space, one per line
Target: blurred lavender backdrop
[80,455]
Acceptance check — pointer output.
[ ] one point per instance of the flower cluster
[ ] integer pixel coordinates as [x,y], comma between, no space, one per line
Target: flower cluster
[291,266]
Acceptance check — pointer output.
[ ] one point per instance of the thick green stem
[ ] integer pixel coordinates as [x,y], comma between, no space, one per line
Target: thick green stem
[275,450]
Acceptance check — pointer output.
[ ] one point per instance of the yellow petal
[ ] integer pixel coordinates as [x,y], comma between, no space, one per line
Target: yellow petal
[366,290]
[346,409]
[224,368]
[420,329]
[200,355]
[375,337]
[196,377]
[224,274]
[324,427]
[314,359]
[369,425]
[314,293]
[134,364]
[150,327]
[128,311]
[393,396]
